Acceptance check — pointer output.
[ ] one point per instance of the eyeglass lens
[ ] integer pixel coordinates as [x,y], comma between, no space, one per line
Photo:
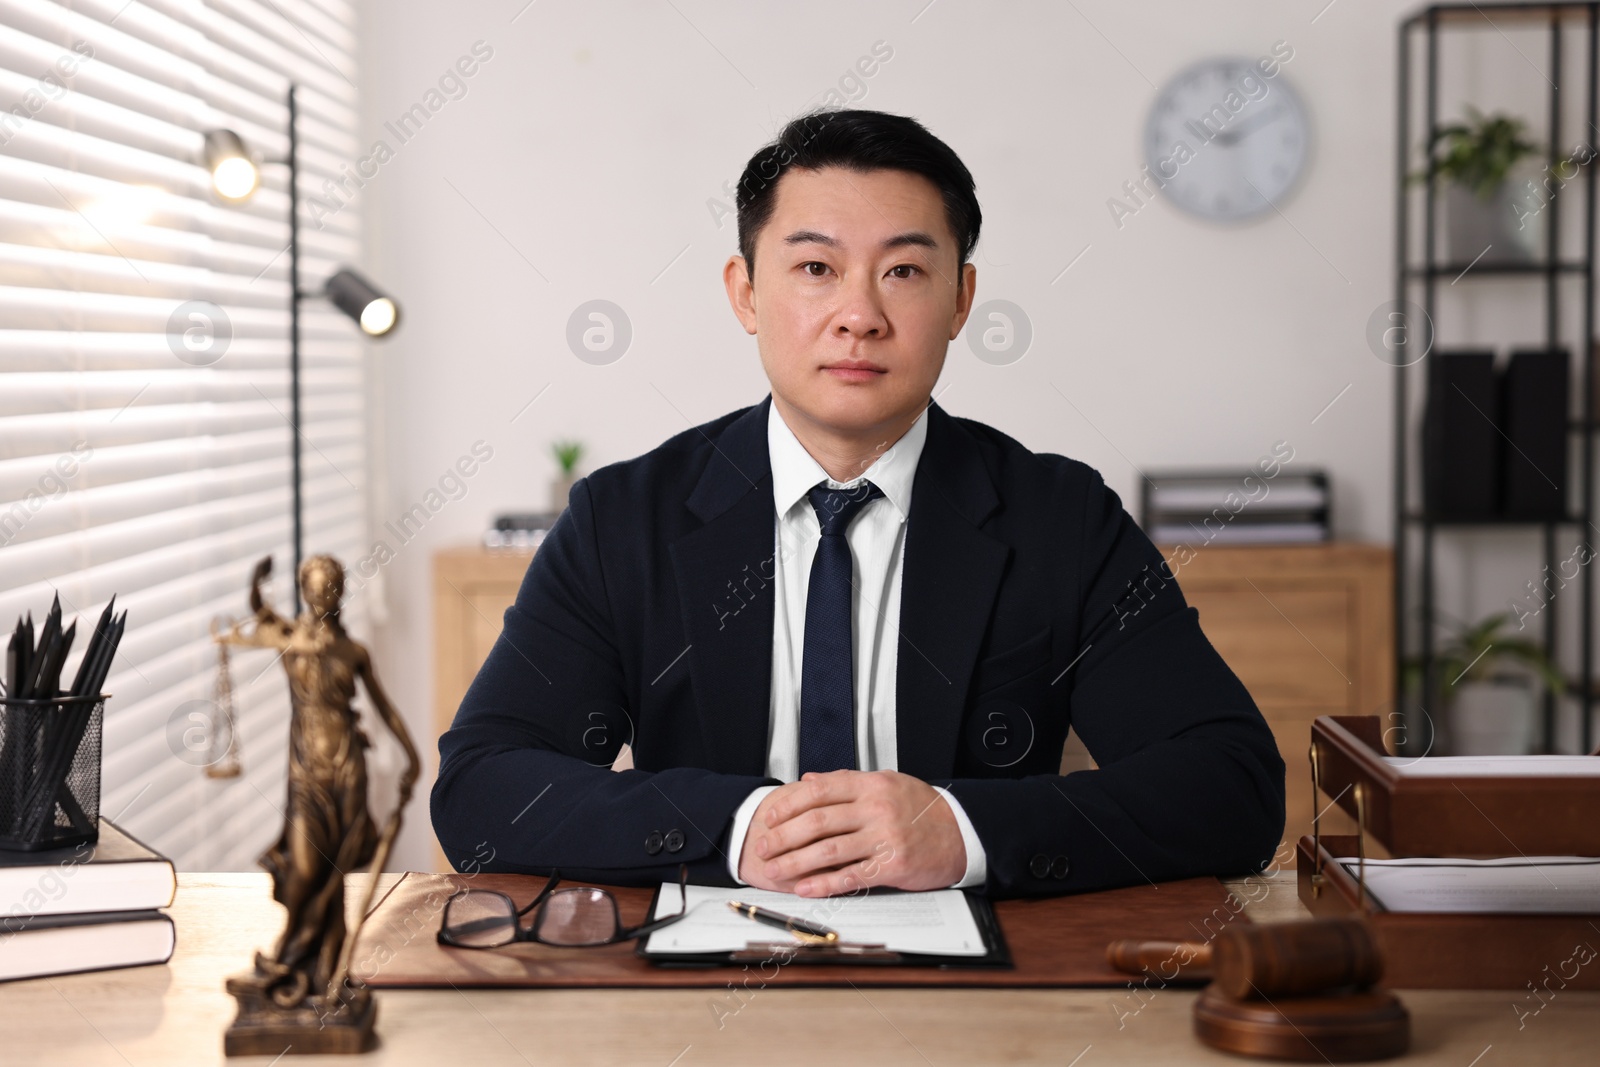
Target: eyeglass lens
[577,917]
[481,919]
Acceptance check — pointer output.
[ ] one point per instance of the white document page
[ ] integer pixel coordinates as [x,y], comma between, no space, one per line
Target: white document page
[939,922]
[1496,766]
[1522,884]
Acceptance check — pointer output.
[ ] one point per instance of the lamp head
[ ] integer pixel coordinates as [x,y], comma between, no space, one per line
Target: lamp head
[234,175]
[375,313]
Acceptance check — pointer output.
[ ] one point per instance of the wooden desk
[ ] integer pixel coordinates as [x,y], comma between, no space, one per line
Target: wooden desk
[175,1014]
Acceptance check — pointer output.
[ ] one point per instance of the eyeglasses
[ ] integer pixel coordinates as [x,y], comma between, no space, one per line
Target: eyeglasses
[582,917]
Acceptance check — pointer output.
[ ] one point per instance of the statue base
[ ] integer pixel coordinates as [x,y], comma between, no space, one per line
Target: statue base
[318,1024]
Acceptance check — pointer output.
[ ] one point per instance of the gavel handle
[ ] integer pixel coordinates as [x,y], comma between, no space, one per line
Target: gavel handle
[1167,960]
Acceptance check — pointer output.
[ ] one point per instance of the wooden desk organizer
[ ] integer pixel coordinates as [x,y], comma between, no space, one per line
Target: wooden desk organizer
[1441,816]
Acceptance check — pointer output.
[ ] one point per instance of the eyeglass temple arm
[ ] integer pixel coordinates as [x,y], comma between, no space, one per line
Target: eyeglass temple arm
[549,886]
[683,909]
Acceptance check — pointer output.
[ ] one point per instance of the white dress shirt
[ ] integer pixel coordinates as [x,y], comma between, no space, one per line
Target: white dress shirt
[876,537]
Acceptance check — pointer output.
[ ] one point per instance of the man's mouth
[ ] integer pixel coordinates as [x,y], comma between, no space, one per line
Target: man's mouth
[855,370]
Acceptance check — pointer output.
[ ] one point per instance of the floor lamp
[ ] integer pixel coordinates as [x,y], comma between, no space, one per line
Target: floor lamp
[235,176]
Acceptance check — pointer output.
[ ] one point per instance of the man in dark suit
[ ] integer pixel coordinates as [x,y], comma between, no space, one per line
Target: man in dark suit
[844,632]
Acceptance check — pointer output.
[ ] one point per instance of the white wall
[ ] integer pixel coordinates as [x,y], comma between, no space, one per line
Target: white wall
[582,158]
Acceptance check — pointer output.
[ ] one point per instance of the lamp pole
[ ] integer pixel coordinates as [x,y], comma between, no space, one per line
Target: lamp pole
[294,347]
[374,312]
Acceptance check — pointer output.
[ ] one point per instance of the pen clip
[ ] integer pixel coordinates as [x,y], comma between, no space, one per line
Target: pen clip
[807,938]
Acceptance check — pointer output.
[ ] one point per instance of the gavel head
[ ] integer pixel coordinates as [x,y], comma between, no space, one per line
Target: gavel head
[1264,960]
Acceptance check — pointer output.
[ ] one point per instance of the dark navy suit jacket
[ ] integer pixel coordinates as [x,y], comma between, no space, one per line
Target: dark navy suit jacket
[1031,603]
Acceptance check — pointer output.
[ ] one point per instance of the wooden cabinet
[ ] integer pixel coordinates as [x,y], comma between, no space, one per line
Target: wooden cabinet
[1309,629]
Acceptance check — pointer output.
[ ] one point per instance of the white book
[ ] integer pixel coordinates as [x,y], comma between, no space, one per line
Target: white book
[36,945]
[115,873]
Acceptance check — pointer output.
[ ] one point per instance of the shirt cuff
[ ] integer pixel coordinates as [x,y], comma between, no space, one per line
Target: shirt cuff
[741,825]
[977,861]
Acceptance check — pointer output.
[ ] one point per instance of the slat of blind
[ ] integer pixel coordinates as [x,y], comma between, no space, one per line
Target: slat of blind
[336,446]
[115,466]
[263,727]
[324,78]
[110,350]
[107,224]
[175,498]
[60,170]
[47,392]
[297,26]
[125,69]
[199,32]
[159,536]
[231,81]
[229,84]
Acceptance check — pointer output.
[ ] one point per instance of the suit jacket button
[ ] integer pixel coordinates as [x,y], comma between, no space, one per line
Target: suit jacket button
[652,843]
[1039,866]
[1058,869]
[674,840]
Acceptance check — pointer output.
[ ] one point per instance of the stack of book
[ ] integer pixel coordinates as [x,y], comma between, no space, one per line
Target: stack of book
[90,907]
[1235,508]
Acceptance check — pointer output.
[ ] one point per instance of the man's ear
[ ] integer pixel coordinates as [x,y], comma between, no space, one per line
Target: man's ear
[741,294]
[969,284]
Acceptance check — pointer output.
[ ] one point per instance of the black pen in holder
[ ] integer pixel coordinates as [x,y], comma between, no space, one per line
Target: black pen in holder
[50,771]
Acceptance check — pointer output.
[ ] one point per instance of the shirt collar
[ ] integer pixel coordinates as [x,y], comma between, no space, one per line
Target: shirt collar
[794,472]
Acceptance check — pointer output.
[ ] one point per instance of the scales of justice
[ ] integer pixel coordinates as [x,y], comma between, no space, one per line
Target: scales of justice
[301,998]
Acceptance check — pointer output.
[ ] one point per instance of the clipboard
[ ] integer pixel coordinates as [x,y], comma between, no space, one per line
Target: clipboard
[765,948]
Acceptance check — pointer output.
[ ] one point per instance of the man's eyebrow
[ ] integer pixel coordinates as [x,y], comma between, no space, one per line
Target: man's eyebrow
[918,238]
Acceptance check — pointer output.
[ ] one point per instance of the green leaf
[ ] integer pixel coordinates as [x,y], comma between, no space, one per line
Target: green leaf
[1472,652]
[1478,154]
[567,453]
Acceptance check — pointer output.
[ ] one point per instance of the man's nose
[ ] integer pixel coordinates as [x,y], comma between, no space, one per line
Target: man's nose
[861,306]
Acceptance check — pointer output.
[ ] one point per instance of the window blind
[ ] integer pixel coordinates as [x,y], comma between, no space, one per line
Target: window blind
[129,465]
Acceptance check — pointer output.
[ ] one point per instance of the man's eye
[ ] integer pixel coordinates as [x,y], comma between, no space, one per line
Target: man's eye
[807,268]
[905,266]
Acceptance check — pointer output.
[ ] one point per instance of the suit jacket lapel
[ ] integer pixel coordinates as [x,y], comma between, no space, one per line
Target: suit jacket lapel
[951,575]
[724,571]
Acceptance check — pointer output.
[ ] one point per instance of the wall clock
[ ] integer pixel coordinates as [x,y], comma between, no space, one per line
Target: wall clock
[1228,140]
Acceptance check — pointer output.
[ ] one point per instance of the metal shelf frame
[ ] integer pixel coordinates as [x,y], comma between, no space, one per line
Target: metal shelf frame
[1431,24]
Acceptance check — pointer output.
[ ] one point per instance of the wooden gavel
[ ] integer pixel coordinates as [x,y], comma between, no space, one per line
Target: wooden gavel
[1285,991]
[1250,961]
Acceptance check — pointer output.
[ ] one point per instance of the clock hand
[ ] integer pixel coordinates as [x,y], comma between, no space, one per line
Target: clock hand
[1234,134]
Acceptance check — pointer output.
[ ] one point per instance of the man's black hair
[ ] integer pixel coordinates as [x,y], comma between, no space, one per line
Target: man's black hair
[857,140]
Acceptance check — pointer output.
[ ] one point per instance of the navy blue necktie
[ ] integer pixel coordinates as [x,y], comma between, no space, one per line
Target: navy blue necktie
[827,680]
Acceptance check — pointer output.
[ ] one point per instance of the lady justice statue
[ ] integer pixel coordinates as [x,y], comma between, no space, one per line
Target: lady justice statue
[301,997]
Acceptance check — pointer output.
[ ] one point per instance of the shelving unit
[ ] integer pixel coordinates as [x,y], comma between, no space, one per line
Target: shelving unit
[1412,523]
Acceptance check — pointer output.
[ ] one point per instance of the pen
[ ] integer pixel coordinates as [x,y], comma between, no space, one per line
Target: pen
[798,927]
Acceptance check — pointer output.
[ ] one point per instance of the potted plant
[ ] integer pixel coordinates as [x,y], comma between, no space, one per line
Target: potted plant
[1481,209]
[1486,678]
[567,454]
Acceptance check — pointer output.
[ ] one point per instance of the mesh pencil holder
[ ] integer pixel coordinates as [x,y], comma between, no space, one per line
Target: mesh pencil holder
[50,771]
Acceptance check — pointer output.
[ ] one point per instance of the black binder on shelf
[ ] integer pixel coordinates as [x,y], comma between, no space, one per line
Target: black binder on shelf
[1460,436]
[1533,406]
